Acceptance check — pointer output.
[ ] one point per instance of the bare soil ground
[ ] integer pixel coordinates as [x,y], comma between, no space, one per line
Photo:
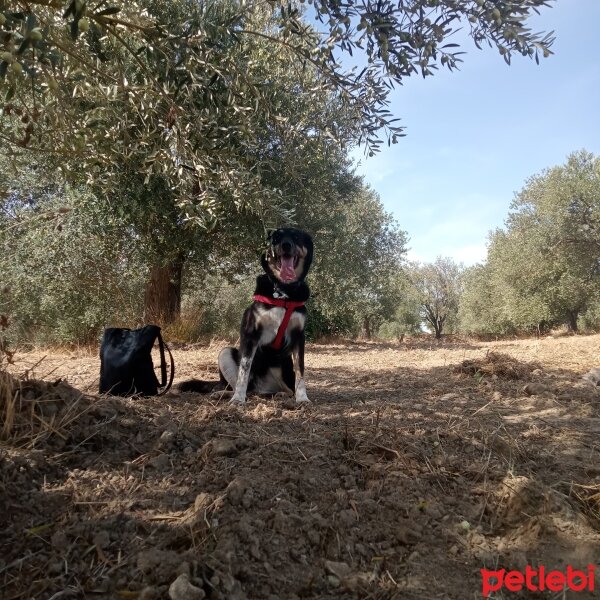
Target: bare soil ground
[407,475]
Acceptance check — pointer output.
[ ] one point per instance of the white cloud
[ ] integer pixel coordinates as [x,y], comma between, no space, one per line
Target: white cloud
[468,254]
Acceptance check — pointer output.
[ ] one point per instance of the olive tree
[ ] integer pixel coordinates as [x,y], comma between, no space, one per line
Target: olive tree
[546,263]
[66,271]
[71,55]
[438,286]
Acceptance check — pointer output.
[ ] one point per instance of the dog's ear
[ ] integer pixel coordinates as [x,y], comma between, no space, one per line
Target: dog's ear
[307,240]
[267,246]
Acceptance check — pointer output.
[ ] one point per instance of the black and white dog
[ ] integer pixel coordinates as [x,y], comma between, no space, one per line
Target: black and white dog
[270,359]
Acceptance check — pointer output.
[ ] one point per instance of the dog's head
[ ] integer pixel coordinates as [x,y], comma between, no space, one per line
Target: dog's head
[289,255]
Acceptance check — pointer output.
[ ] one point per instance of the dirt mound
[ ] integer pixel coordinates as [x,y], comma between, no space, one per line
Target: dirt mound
[498,364]
[31,409]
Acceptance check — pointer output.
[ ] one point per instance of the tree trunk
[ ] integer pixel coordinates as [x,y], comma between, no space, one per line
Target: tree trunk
[542,328]
[162,297]
[572,320]
[438,327]
[367,328]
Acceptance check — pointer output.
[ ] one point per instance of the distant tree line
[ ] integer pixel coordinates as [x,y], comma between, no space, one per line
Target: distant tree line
[542,269]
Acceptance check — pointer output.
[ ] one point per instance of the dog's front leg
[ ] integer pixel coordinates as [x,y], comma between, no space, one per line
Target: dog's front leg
[249,339]
[241,385]
[239,395]
[298,354]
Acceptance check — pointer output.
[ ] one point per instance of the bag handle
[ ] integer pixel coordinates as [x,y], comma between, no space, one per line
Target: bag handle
[163,366]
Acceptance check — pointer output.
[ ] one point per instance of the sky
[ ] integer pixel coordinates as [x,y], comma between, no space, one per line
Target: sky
[474,136]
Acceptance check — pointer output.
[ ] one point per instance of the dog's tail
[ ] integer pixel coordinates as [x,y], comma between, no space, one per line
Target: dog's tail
[199,386]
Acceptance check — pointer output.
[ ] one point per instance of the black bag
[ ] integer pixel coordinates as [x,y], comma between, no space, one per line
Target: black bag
[126,362]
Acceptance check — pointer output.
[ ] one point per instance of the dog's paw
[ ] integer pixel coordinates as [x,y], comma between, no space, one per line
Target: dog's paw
[238,400]
[302,398]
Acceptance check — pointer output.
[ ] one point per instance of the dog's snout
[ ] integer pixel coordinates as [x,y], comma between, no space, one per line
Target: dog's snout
[286,246]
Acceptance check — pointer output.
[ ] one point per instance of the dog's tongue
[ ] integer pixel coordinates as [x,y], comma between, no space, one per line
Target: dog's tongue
[287,272]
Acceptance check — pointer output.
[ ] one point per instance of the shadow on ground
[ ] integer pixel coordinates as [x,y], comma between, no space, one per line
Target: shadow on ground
[399,482]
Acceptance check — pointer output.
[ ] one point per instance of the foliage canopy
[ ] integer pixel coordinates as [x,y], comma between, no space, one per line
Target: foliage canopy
[185,89]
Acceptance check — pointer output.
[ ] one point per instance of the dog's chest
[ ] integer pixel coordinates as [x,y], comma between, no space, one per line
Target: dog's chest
[271,319]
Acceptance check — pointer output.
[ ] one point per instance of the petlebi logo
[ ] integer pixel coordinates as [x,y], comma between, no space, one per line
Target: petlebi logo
[538,579]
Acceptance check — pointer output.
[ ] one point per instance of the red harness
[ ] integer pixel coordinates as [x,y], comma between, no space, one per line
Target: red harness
[290,306]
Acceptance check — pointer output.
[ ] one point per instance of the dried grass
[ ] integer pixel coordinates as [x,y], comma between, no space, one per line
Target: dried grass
[30,409]
[186,328]
[498,364]
[588,497]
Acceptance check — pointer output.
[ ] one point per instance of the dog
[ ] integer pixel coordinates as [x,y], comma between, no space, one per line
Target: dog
[270,359]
